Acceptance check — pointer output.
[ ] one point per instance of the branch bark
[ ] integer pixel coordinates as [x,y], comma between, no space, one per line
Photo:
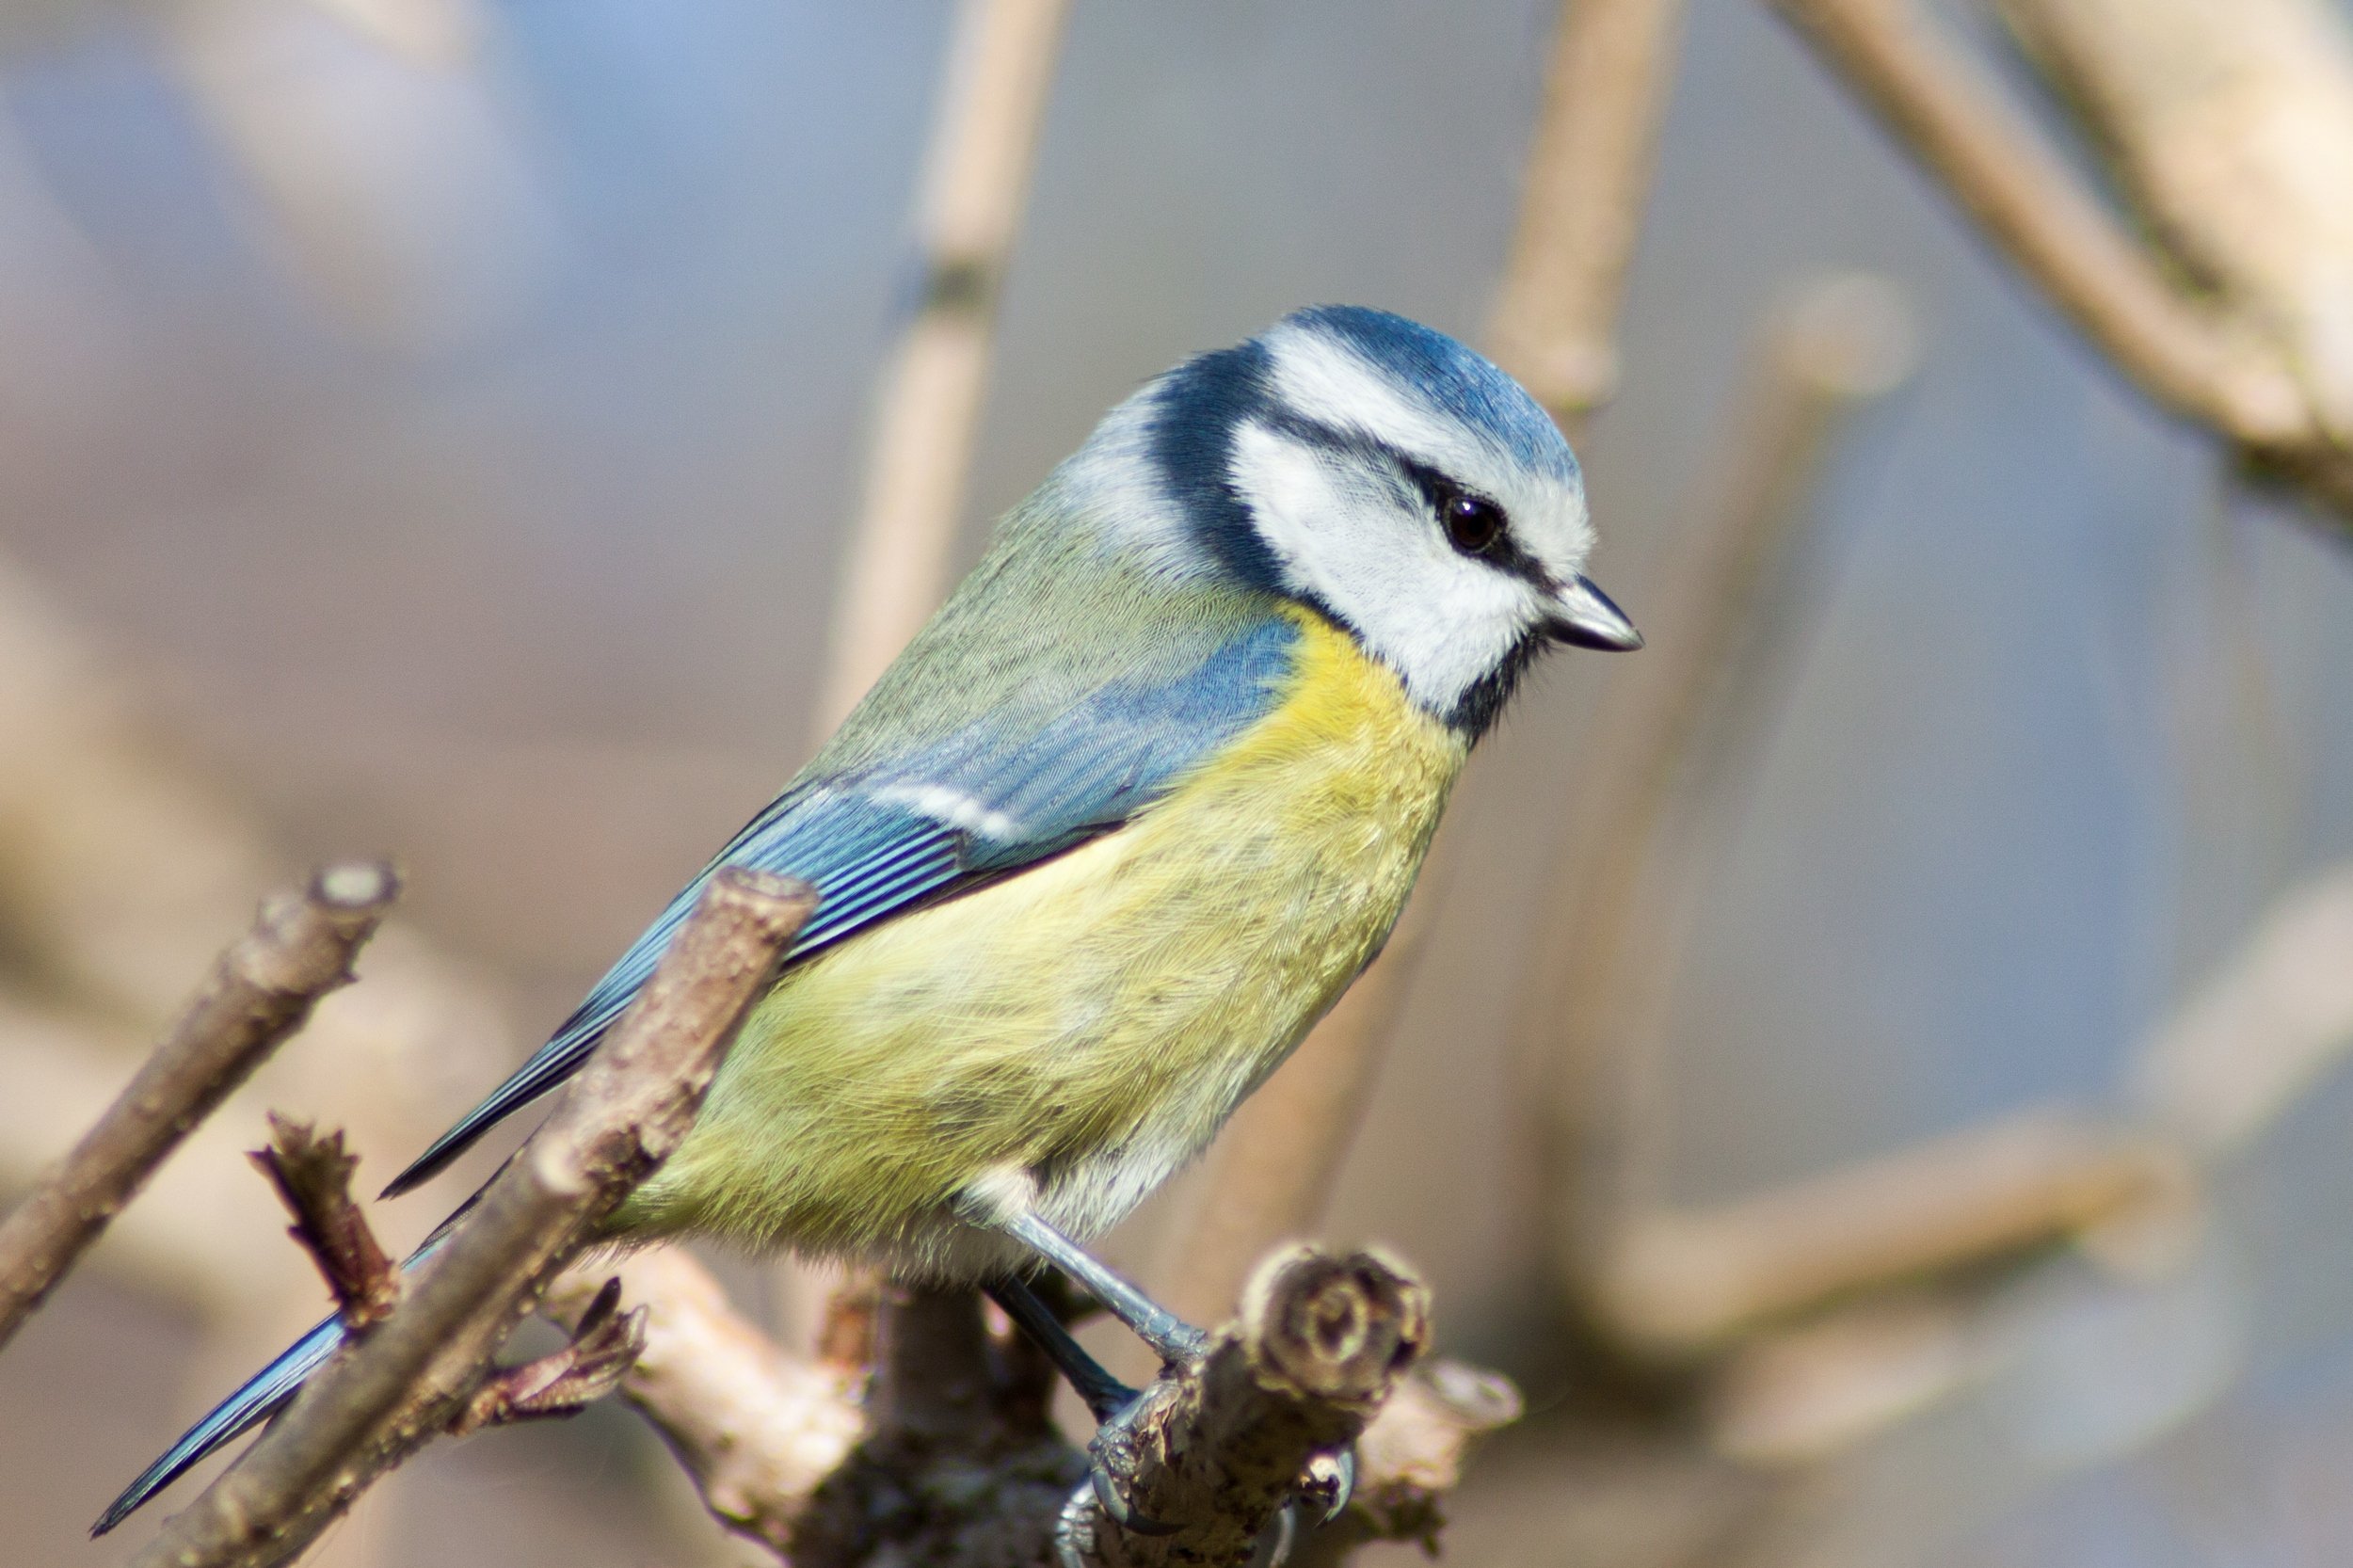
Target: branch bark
[261,991]
[1581,203]
[384,1396]
[1321,1344]
[928,411]
[2230,125]
[952,1457]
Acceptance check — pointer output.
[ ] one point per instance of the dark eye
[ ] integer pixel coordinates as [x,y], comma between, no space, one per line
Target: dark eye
[1474,524]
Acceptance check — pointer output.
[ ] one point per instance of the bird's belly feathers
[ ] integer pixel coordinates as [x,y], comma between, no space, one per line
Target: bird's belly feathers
[1092,1020]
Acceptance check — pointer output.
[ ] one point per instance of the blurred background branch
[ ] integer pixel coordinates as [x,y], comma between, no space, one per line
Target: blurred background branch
[1582,195]
[927,413]
[2251,369]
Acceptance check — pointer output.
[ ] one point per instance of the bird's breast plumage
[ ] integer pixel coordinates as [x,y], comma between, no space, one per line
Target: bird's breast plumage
[1091,1020]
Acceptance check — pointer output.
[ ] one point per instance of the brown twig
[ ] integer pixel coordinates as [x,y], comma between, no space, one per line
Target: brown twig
[2230,125]
[1321,1344]
[605,1344]
[1001,65]
[2192,360]
[385,1395]
[301,946]
[1599,972]
[1685,1280]
[1582,201]
[313,1175]
[755,1429]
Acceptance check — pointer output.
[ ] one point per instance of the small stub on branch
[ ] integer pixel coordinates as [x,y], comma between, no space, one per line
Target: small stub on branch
[313,1175]
[605,1344]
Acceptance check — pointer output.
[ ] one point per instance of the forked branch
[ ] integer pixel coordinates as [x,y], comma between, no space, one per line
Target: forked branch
[299,949]
[386,1394]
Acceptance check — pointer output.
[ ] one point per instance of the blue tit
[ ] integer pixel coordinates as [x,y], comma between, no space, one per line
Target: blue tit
[1118,827]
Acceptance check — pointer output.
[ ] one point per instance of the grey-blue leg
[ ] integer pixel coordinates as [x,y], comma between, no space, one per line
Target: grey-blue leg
[1173,1339]
[1104,1394]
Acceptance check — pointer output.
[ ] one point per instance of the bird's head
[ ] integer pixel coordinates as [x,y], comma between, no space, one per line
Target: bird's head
[1382,473]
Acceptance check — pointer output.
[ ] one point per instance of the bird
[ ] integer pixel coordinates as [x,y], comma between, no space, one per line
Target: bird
[1122,821]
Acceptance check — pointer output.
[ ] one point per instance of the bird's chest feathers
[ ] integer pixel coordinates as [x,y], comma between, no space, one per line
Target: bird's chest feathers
[1336,792]
[1096,1017]
[1201,939]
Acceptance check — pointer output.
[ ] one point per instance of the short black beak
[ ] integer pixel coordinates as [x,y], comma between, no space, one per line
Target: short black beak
[1583,617]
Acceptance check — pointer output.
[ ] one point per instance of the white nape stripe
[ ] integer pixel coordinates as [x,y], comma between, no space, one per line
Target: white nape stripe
[1113,481]
[952,807]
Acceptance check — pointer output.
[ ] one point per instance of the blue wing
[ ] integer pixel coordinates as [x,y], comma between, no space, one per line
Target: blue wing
[896,834]
[876,839]
[264,1393]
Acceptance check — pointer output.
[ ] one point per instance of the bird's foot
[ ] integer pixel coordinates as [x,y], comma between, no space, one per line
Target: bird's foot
[1324,1489]
[1111,1454]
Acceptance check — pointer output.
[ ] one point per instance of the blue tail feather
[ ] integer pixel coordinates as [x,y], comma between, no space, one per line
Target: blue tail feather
[261,1395]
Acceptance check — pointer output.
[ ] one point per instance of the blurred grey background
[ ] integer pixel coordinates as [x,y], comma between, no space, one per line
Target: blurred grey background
[449,411]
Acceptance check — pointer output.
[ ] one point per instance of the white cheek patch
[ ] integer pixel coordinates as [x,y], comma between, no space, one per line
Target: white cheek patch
[1440,620]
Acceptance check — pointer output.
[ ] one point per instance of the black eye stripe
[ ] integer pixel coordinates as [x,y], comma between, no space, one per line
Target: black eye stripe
[1475,525]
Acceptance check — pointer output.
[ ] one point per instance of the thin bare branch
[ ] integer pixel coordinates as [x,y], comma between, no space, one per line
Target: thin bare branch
[2034,210]
[1685,1280]
[313,1175]
[927,415]
[2229,124]
[386,1394]
[1591,1022]
[301,946]
[1582,201]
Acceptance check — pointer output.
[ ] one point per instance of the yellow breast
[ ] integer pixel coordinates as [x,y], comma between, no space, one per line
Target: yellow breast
[1093,1019]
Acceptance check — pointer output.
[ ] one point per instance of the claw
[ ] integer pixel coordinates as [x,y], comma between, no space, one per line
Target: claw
[1277,1540]
[1107,1493]
[1334,1478]
[1112,1436]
